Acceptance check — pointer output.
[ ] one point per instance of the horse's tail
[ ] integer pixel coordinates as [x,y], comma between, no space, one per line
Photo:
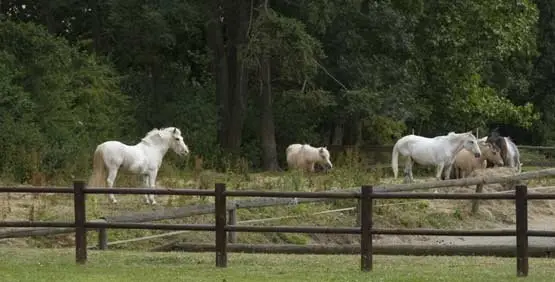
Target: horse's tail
[98,178]
[394,160]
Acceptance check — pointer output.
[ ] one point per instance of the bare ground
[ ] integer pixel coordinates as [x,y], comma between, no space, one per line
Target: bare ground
[493,214]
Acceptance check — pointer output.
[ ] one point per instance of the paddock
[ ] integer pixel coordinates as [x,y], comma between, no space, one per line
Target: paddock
[365,194]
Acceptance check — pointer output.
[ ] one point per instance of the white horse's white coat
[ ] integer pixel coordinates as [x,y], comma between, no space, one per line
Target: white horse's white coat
[305,156]
[143,158]
[439,151]
[513,155]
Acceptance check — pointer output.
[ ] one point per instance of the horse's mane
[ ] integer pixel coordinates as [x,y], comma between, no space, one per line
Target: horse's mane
[152,133]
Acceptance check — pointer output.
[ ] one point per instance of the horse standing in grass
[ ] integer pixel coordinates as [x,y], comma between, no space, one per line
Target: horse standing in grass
[143,158]
[439,151]
[509,150]
[305,156]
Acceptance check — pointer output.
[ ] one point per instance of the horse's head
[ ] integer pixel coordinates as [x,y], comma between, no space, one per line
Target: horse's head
[471,143]
[492,153]
[176,142]
[498,141]
[325,156]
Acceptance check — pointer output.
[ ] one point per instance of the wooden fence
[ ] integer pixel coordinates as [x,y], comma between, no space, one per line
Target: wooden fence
[221,226]
[202,209]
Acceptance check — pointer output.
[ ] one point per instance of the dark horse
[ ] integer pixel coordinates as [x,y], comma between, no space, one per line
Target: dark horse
[509,151]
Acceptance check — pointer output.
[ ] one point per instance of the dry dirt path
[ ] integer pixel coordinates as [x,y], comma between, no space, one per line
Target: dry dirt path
[537,223]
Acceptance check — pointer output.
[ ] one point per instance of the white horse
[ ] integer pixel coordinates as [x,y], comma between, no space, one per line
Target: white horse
[439,151]
[305,156]
[143,158]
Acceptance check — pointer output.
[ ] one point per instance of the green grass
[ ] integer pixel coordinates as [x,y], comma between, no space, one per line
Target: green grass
[58,265]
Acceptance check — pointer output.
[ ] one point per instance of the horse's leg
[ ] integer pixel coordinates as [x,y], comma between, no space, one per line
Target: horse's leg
[146,184]
[152,183]
[408,170]
[439,170]
[463,175]
[112,173]
[448,169]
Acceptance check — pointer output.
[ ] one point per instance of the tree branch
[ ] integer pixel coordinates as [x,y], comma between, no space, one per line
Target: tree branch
[332,77]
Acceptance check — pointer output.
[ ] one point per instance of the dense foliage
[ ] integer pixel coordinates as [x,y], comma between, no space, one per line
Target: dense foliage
[248,77]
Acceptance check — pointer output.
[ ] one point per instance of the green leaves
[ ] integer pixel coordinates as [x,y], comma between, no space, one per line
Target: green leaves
[294,52]
[473,54]
[484,105]
[57,103]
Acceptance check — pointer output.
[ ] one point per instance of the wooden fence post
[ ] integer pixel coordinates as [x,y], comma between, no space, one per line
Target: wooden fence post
[521,205]
[80,220]
[232,220]
[365,228]
[221,234]
[102,239]
[475,202]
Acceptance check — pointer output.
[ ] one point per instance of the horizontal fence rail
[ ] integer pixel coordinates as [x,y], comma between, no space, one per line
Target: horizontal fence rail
[365,195]
[353,249]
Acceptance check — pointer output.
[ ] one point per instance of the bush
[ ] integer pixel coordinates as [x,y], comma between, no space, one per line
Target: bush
[56,103]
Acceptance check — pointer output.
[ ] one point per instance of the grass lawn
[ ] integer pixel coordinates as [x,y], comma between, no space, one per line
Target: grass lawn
[58,265]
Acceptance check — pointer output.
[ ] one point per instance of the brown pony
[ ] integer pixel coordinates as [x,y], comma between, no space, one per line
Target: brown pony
[466,162]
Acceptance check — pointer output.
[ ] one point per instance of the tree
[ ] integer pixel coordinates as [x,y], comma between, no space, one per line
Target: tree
[542,83]
[227,35]
[284,58]
[57,102]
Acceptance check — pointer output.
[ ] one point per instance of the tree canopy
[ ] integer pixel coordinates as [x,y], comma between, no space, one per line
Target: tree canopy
[247,78]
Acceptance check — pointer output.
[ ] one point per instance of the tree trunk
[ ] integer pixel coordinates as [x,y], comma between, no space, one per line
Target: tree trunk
[267,127]
[337,134]
[232,99]
[96,20]
[48,17]
[2,11]
[352,131]
[215,40]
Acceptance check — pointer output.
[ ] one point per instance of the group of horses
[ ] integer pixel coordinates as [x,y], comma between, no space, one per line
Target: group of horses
[454,155]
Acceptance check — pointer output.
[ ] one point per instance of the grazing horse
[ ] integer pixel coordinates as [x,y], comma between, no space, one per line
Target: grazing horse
[509,150]
[439,151]
[305,156]
[465,162]
[143,158]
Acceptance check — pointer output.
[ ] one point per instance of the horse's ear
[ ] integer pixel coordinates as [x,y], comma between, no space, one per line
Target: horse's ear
[174,130]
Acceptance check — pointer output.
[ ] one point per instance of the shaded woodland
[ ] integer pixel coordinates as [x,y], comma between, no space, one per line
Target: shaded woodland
[245,78]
